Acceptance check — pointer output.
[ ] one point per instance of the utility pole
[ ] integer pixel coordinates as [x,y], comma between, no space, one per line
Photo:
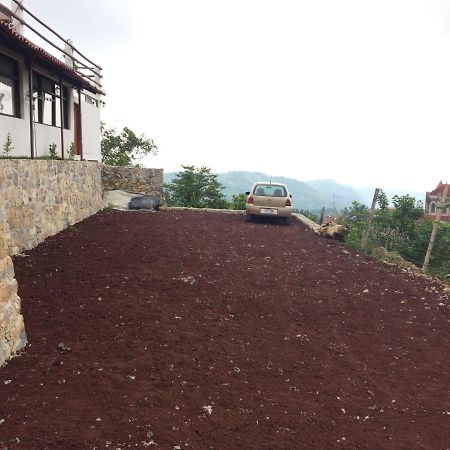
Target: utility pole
[369,223]
[441,205]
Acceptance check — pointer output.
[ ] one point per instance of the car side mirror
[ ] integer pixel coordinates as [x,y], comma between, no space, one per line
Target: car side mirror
[290,195]
[247,193]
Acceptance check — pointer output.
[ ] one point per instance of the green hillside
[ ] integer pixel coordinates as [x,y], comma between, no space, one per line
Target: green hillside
[305,195]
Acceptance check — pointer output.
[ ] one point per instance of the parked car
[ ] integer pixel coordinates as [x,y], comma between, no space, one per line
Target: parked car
[267,199]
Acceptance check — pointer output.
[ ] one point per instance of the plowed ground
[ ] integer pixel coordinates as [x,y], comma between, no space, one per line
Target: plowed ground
[198,330]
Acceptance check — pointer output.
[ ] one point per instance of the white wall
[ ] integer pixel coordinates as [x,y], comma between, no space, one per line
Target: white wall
[19,128]
[90,123]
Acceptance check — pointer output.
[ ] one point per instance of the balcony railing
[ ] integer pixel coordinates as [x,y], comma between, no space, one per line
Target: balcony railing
[22,17]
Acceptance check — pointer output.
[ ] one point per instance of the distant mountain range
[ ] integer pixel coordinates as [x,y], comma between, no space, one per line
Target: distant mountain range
[310,195]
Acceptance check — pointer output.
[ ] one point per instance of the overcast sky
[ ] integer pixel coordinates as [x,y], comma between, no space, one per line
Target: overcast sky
[357,91]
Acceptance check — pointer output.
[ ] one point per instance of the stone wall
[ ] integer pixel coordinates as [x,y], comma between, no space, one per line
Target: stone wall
[12,331]
[131,179]
[39,198]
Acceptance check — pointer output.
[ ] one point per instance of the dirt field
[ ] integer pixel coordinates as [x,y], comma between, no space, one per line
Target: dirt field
[200,331]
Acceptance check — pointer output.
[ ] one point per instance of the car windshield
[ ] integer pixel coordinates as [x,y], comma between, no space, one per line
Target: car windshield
[270,190]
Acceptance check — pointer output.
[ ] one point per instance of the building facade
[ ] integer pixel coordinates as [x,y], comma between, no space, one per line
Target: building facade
[432,200]
[46,104]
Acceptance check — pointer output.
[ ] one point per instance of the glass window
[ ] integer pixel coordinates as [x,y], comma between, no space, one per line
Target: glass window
[270,190]
[47,100]
[9,87]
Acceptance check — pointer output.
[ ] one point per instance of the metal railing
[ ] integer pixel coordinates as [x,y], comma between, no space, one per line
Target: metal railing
[85,67]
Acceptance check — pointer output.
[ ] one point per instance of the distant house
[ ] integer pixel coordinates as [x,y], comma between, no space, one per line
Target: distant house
[43,100]
[432,200]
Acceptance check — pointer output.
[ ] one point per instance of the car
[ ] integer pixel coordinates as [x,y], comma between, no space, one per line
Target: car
[268,199]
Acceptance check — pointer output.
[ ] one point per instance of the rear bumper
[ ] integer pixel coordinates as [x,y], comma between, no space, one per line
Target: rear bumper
[284,211]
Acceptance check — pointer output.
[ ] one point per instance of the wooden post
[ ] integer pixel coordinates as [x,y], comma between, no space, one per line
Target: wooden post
[369,223]
[322,213]
[426,263]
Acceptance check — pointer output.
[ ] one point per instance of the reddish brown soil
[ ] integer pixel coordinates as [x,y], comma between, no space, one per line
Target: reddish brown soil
[199,330]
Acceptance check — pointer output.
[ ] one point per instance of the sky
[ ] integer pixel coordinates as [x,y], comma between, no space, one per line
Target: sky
[353,90]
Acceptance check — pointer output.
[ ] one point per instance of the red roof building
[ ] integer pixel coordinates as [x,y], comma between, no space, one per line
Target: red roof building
[433,199]
[45,101]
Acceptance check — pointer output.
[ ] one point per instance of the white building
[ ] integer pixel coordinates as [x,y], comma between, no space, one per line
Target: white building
[45,101]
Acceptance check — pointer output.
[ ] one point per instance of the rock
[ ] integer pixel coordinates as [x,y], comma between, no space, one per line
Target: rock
[333,230]
[150,202]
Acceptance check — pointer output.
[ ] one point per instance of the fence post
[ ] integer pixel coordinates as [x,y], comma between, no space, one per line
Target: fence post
[322,213]
[426,262]
[369,223]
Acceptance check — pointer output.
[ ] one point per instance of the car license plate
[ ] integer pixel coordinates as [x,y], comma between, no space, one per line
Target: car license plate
[269,211]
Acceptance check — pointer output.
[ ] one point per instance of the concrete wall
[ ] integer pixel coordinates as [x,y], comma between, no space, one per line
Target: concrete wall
[40,198]
[131,179]
[90,123]
[12,331]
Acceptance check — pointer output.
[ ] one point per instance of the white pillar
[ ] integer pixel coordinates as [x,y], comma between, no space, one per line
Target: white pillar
[68,49]
[16,8]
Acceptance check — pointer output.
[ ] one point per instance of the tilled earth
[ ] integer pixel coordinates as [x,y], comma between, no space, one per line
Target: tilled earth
[192,330]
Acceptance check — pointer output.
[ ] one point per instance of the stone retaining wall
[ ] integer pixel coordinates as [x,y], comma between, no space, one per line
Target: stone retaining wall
[39,198]
[12,331]
[132,179]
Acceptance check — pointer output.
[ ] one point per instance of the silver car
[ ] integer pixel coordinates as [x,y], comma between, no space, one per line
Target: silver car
[267,199]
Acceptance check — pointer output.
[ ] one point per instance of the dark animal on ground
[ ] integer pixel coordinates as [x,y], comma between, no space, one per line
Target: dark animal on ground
[150,202]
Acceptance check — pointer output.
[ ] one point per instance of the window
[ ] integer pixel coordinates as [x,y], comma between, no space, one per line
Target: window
[47,98]
[9,87]
[433,208]
[270,190]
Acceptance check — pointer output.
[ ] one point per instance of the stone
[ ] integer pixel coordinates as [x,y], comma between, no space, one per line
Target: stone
[333,230]
[150,202]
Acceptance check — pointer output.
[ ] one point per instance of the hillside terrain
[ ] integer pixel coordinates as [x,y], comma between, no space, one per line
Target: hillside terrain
[312,195]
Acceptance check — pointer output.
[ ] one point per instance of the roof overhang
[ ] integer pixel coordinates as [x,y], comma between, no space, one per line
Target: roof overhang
[23,46]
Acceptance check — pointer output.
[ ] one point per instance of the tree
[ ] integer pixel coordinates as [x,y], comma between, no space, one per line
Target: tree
[124,148]
[197,188]
[239,202]
[407,211]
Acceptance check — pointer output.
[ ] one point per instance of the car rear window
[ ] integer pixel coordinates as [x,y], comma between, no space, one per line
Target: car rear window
[270,190]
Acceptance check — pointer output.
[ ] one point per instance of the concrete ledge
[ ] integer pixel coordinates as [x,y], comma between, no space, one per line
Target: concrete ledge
[308,222]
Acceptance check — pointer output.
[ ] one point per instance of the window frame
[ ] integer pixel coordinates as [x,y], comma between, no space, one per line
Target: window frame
[16,104]
[42,92]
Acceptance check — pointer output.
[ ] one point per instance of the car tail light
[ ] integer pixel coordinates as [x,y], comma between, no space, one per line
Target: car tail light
[288,202]
[250,200]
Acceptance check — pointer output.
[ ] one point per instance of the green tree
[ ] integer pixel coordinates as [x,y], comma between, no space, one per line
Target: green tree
[125,147]
[197,188]
[239,202]
[407,211]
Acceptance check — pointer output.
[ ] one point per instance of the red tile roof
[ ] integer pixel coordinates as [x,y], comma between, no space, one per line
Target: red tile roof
[439,189]
[21,42]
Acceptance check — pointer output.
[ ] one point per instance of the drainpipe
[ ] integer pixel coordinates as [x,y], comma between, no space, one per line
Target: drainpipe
[30,90]
[61,113]
[80,124]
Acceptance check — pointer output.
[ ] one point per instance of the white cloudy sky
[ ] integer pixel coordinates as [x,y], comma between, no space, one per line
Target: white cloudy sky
[358,91]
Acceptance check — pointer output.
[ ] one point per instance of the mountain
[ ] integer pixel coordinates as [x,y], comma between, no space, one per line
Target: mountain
[333,192]
[311,195]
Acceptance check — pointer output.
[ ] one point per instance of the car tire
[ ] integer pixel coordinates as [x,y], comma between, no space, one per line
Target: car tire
[287,221]
[248,218]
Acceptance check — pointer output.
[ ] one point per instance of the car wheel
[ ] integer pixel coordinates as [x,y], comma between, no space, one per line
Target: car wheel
[287,221]
[248,218]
